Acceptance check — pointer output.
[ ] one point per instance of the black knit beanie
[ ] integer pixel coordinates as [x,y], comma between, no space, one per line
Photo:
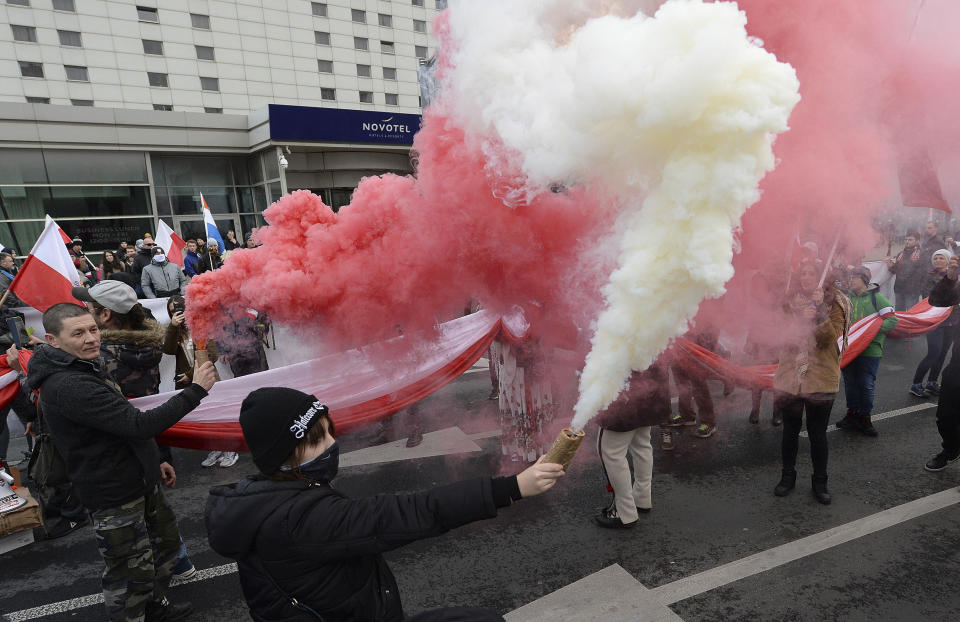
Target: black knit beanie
[275,420]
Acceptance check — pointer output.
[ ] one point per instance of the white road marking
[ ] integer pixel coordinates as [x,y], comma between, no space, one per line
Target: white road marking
[887,415]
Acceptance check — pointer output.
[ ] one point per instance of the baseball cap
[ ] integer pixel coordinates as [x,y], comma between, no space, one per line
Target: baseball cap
[114,295]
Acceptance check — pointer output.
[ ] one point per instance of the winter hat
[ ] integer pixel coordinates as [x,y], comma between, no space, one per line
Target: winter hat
[114,295]
[139,244]
[274,421]
[863,272]
[946,254]
[213,242]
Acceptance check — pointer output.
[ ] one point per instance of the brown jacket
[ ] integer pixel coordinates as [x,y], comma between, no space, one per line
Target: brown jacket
[822,352]
[172,344]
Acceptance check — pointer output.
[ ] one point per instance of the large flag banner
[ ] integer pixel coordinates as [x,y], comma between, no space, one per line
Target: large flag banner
[919,184]
[171,243]
[212,231]
[48,275]
[63,234]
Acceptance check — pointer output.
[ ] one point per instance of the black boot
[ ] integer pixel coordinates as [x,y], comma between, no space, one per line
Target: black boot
[788,479]
[820,489]
[850,421]
[866,426]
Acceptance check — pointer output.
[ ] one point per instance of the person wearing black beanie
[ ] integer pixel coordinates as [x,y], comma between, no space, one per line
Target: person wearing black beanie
[306,551]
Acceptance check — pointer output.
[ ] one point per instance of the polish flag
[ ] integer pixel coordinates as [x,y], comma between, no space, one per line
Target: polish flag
[171,243]
[212,231]
[919,184]
[48,274]
[63,235]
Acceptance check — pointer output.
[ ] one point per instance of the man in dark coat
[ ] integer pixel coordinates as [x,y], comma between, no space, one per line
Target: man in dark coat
[911,267]
[946,293]
[303,547]
[109,452]
[625,428]
[210,260]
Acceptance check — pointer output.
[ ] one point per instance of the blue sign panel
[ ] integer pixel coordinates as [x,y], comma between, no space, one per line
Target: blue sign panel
[305,123]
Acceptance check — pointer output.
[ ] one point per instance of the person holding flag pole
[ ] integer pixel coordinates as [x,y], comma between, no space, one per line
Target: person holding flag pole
[47,276]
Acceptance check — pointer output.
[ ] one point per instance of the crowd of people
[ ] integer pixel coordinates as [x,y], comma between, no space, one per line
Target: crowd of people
[106,349]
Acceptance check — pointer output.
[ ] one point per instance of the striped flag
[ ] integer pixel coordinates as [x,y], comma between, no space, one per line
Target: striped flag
[66,238]
[48,275]
[171,243]
[212,231]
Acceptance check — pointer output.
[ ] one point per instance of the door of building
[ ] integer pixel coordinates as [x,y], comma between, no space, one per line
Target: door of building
[191,227]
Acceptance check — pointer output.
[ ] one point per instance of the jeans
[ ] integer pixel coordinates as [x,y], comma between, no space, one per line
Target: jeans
[859,380]
[936,353]
[818,415]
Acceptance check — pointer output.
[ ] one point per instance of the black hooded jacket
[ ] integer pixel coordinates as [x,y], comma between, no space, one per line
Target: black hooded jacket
[324,548]
[107,444]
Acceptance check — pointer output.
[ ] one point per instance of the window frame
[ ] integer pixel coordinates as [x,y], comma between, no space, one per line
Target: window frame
[30,31]
[31,64]
[320,65]
[83,71]
[45,100]
[392,70]
[163,107]
[215,80]
[325,91]
[321,34]
[387,96]
[212,110]
[144,42]
[385,17]
[72,9]
[416,51]
[367,68]
[388,47]
[148,11]
[83,104]
[366,44]
[361,13]
[213,52]
[162,79]
[193,21]
[362,93]
[318,9]
[423,26]
[61,33]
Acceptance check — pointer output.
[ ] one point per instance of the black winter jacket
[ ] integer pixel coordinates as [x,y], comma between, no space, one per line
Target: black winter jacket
[946,293]
[645,401]
[107,444]
[324,548]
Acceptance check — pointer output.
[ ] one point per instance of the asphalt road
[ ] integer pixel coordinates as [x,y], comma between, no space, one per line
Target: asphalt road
[713,505]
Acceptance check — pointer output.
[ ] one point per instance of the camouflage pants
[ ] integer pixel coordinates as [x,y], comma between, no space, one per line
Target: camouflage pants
[138,542]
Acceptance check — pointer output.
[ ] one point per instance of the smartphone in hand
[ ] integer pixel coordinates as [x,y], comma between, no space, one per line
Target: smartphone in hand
[18,332]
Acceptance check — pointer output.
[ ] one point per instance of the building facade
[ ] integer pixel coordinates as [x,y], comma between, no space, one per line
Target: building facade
[114,113]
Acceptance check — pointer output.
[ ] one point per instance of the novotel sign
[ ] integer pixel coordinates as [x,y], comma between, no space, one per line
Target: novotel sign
[310,124]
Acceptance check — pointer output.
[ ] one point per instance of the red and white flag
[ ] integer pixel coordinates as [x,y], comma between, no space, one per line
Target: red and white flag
[48,275]
[919,184]
[171,243]
[63,235]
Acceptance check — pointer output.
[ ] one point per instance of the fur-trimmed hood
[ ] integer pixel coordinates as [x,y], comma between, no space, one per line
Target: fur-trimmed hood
[150,337]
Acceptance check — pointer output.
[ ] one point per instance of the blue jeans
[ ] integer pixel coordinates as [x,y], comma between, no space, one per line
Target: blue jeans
[859,380]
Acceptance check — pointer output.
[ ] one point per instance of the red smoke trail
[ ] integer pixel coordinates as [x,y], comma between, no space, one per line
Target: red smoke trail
[871,91]
[407,252]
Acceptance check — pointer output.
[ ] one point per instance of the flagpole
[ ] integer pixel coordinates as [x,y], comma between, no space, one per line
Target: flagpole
[826,267]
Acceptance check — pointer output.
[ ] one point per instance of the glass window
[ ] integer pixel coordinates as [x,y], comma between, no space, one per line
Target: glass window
[366,97]
[186,199]
[213,110]
[239,167]
[147,14]
[340,197]
[364,71]
[38,100]
[194,171]
[70,38]
[22,166]
[81,102]
[31,70]
[77,73]
[157,79]
[419,25]
[64,5]
[200,21]
[260,197]
[102,234]
[95,167]
[210,84]
[361,43]
[271,165]
[74,201]
[244,200]
[385,20]
[322,38]
[24,33]
[391,99]
[441,4]
[417,2]
[329,94]
[389,73]
[275,192]
[19,2]
[387,47]
[325,66]
[319,8]
[358,15]
[249,222]
[152,47]
[204,52]
[167,107]
[254,169]
[420,51]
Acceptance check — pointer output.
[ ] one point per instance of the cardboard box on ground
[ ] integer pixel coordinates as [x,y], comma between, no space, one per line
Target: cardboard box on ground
[16,527]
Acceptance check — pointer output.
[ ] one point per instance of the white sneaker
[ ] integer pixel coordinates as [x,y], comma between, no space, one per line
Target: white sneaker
[212,458]
[229,458]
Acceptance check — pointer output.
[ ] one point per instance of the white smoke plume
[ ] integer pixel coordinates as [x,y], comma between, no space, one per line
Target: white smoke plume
[675,114]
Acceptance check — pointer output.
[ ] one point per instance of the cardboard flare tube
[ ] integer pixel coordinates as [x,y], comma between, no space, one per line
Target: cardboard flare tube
[201,356]
[562,450]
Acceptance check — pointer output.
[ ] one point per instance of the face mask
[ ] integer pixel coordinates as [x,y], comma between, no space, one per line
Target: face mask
[159,258]
[322,468]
